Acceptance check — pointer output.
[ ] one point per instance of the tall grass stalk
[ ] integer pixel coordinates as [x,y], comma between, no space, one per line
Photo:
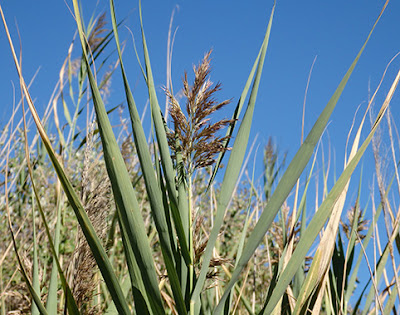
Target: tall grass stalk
[128,225]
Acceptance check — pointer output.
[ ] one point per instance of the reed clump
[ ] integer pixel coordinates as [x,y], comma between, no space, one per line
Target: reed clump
[102,220]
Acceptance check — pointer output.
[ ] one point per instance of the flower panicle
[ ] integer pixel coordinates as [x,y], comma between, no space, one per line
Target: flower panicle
[194,135]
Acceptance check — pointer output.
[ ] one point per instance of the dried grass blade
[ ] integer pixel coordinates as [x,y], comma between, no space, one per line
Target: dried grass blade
[325,209]
[288,249]
[390,307]
[323,256]
[32,291]
[35,296]
[290,177]
[71,305]
[96,247]
[379,269]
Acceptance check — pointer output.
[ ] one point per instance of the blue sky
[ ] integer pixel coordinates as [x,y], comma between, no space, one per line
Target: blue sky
[302,30]
[333,32]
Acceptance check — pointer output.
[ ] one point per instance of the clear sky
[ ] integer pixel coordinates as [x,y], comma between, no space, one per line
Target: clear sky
[333,31]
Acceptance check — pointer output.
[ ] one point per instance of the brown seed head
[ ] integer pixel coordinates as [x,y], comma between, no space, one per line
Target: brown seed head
[194,135]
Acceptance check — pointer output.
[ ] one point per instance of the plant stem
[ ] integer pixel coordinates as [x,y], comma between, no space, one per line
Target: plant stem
[190,237]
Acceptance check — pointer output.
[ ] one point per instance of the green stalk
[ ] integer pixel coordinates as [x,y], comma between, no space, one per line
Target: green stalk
[2,301]
[35,271]
[51,303]
[190,237]
[183,205]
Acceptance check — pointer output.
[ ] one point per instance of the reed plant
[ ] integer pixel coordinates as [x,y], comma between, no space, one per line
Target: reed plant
[106,222]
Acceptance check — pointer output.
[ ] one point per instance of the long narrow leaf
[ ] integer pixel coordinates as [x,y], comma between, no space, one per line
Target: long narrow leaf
[35,269]
[353,278]
[141,300]
[51,303]
[323,256]
[152,187]
[164,148]
[124,195]
[88,230]
[325,209]
[232,171]
[292,173]
[71,305]
[235,118]
[32,291]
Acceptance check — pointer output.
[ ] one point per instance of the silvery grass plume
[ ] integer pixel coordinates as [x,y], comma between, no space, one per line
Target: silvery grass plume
[95,195]
[194,135]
